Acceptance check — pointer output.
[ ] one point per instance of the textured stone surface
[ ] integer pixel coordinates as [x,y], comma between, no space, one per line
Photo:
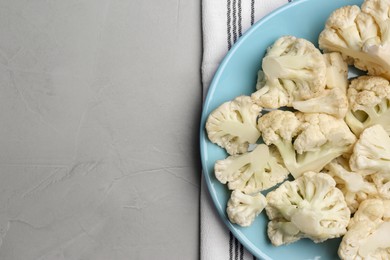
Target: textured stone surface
[99,111]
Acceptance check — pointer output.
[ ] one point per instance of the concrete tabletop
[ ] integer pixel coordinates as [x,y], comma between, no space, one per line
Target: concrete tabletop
[100,105]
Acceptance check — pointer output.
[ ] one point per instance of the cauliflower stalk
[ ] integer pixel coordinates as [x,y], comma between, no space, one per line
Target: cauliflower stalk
[369,99]
[371,156]
[293,69]
[306,142]
[333,100]
[361,35]
[243,208]
[368,232]
[251,172]
[356,187]
[233,125]
[336,71]
[310,206]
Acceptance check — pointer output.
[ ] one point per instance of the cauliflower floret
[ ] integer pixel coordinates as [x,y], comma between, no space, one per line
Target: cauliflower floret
[310,206]
[243,208]
[373,210]
[368,232]
[369,100]
[233,125]
[355,186]
[382,183]
[251,172]
[362,36]
[371,153]
[318,138]
[371,156]
[333,100]
[278,124]
[293,69]
[322,129]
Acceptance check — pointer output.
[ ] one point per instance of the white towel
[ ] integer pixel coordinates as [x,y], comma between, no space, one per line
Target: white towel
[223,21]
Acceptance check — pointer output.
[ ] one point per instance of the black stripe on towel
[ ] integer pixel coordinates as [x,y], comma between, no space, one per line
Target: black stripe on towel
[228,26]
[230,246]
[239,18]
[241,252]
[236,245]
[252,12]
[234,21]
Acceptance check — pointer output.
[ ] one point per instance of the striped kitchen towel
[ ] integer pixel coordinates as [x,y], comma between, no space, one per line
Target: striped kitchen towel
[223,22]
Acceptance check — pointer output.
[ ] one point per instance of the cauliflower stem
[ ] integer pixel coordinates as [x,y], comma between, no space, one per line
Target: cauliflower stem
[309,161]
[333,102]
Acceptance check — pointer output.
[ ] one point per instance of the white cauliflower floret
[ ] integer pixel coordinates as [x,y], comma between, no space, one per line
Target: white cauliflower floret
[242,209]
[382,183]
[371,153]
[318,138]
[333,100]
[369,101]
[362,36]
[251,172]
[310,206]
[373,210]
[355,186]
[368,232]
[233,125]
[371,156]
[293,69]
[278,124]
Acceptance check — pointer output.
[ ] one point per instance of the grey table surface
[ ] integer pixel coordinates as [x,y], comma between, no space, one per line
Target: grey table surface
[100,104]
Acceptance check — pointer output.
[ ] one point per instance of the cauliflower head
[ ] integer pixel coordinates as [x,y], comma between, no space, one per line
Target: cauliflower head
[371,156]
[293,69]
[361,36]
[356,187]
[333,100]
[251,172]
[371,153]
[233,125]
[306,142]
[242,209]
[369,101]
[310,206]
[368,232]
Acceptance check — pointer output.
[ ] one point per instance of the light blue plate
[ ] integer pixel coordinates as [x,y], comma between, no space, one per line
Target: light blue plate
[237,76]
